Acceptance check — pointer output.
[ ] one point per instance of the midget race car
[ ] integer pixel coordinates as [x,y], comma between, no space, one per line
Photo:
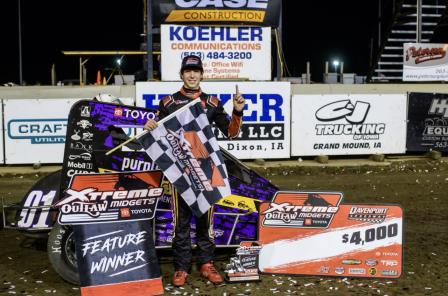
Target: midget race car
[94,128]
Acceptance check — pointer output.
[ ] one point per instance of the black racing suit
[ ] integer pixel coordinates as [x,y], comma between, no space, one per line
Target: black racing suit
[181,245]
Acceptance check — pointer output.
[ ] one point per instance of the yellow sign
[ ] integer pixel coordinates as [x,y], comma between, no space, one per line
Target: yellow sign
[255,16]
[239,202]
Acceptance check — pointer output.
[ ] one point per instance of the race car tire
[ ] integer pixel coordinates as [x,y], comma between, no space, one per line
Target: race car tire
[61,252]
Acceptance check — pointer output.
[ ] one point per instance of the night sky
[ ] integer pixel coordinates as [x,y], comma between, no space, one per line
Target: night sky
[312,31]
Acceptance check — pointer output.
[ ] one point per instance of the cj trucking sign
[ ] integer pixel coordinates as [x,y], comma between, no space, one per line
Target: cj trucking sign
[227,53]
[265,131]
[348,124]
[425,62]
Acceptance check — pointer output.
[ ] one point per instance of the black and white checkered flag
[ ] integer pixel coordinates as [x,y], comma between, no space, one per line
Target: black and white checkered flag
[186,150]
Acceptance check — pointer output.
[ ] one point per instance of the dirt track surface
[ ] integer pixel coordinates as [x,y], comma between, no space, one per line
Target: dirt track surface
[420,187]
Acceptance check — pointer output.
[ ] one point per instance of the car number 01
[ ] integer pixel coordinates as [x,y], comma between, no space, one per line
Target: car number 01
[35,199]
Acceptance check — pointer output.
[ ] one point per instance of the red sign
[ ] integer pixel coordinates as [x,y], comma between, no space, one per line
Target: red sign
[358,241]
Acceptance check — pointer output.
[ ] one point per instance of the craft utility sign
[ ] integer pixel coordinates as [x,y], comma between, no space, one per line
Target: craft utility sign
[37,125]
[114,197]
[266,120]
[234,12]
[427,122]
[425,62]
[360,241]
[226,52]
[115,258]
[348,124]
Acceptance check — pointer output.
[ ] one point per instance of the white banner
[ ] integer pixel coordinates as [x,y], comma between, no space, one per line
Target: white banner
[348,124]
[227,53]
[425,62]
[266,122]
[1,135]
[35,129]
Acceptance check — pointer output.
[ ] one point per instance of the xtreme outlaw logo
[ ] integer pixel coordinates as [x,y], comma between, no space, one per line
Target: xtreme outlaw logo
[355,116]
[101,204]
[110,198]
[313,211]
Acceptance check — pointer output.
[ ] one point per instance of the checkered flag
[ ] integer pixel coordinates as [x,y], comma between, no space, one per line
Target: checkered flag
[186,150]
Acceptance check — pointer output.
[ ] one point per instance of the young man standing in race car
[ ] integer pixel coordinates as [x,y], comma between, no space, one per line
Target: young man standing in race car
[191,73]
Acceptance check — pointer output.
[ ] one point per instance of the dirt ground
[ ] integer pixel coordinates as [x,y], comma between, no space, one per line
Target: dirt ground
[420,187]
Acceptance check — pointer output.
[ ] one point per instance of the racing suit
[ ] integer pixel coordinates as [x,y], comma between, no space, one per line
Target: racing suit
[230,127]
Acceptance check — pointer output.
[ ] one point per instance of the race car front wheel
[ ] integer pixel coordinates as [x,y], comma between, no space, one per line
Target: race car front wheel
[61,252]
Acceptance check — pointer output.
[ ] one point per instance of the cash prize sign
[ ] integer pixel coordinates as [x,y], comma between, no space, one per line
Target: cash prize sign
[311,233]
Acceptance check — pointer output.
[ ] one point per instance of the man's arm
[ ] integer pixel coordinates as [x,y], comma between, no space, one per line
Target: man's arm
[230,128]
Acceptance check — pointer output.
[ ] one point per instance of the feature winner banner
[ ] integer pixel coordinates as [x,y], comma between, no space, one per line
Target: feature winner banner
[310,233]
[116,260]
[226,53]
[234,12]
[266,122]
[338,124]
[427,122]
[425,62]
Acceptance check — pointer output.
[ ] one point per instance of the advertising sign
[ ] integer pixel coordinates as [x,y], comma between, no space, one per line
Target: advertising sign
[35,130]
[226,53]
[265,130]
[339,124]
[334,239]
[234,12]
[114,197]
[427,122]
[425,62]
[114,260]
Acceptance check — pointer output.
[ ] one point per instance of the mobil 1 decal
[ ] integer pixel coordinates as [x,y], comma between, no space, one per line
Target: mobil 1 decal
[114,257]
[359,241]
[340,124]
[94,128]
[427,122]
[266,116]
[110,197]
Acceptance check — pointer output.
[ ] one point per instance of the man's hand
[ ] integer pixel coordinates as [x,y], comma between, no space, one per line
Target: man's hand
[238,100]
[150,125]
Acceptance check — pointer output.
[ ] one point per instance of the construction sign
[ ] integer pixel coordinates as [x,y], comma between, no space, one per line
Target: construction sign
[234,12]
